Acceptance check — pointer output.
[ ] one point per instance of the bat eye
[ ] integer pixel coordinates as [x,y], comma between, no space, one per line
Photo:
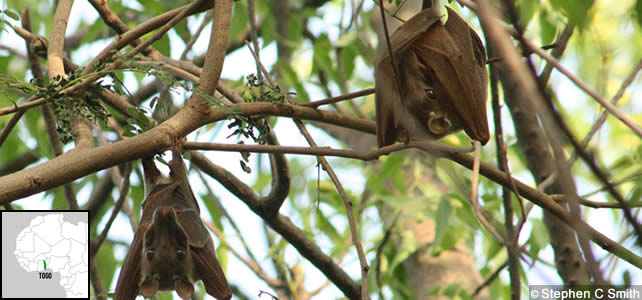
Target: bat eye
[180,254]
[149,254]
[430,93]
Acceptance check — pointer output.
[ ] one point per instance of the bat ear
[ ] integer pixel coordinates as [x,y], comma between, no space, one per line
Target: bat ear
[149,287]
[183,288]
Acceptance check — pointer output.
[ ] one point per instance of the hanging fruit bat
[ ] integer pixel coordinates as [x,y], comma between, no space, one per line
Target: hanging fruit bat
[172,249]
[442,81]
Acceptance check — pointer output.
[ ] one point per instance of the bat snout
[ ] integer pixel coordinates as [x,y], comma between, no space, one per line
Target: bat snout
[165,215]
[164,211]
[438,124]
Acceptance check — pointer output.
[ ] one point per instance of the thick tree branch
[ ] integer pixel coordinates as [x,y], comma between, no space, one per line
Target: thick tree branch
[78,163]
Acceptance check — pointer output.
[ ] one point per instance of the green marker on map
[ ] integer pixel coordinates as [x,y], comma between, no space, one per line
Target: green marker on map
[44,262]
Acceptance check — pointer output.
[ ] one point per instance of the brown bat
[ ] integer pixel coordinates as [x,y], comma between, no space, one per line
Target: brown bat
[172,249]
[442,78]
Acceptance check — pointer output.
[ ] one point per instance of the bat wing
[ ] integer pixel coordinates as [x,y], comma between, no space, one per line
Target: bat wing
[191,222]
[127,285]
[388,102]
[409,32]
[209,270]
[460,72]
[386,98]
[472,70]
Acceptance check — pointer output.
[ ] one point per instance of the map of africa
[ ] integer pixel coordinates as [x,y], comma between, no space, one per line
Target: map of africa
[52,249]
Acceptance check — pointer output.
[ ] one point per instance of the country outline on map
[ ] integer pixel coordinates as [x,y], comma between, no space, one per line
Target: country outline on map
[63,245]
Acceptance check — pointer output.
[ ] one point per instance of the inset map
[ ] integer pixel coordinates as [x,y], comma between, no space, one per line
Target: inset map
[45,254]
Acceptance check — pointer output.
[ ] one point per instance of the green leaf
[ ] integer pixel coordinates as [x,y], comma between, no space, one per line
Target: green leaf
[223,258]
[292,79]
[129,130]
[322,60]
[212,208]
[493,248]
[92,33]
[4,63]
[239,20]
[527,10]
[323,223]
[390,169]
[268,28]
[295,30]
[245,167]
[626,278]
[137,194]
[165,295]
[548,30]
[577,12]
[407,247]
[107,262]
[539,236]
[346,39]
[348,55]
[637,12]
[11,14]
[442,215]
[60,200]
[452,290]
[452,237]
[163,45]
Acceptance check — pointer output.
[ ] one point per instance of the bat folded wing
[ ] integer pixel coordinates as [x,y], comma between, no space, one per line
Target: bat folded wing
[209,270]
[127,285]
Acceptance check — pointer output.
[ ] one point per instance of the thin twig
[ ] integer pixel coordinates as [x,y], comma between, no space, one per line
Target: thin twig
[96,281]
[386,236]
[196,35]
[124,190]
[348,96]
[580,84]
[473,197]
[254,36]
[114,22]
[512,235]
[545,201]
[315,151]
[251,264]
[600,121]
[615,183]
[595,204]
[395,74]
[490,279]
[561,43]
[218,204]
[354,229]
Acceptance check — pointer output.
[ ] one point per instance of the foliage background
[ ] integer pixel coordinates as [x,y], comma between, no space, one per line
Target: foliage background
[329,55]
